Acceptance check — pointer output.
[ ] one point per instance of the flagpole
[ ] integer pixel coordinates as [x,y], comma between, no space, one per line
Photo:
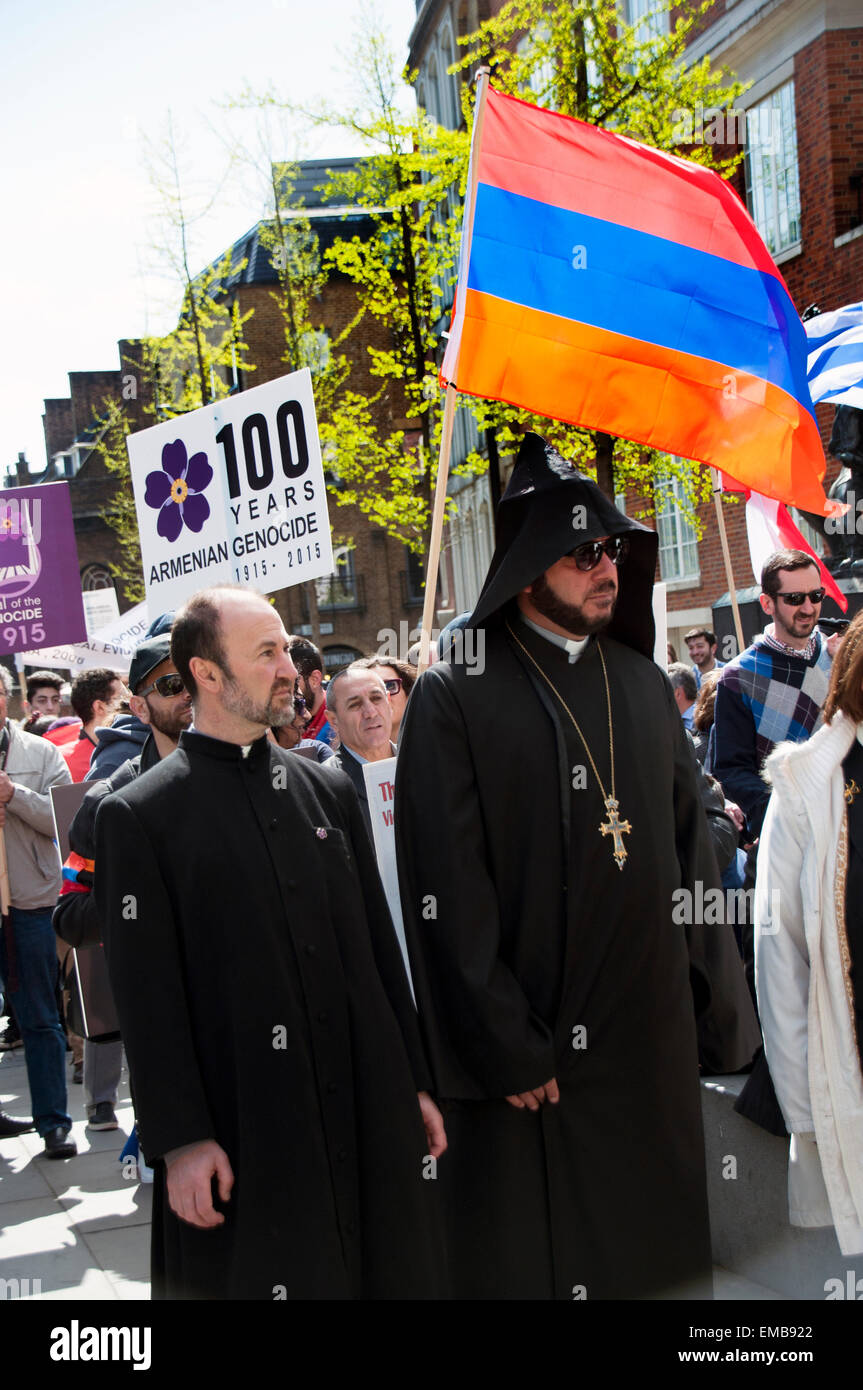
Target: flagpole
[436,537]
[726,555]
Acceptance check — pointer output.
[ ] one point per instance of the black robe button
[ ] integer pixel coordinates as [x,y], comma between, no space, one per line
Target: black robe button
[332,1088]
[311,950]
[273,823]
[322,1017]
[341,1155]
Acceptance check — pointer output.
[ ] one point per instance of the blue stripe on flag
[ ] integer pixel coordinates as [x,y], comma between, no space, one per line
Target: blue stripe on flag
[638,285]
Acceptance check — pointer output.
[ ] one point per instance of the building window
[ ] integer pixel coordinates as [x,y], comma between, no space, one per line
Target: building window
[341,589]
[465,434]
[431,89]
[96,577]
[540,83]
[448,105]
[678,542]
[772,179]
[813,538]
[646,25]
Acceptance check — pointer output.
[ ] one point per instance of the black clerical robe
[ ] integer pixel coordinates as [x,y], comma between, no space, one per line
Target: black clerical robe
[263,1004]
[534,956]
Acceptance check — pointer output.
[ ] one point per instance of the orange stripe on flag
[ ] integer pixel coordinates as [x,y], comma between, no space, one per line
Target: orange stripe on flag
[601,380]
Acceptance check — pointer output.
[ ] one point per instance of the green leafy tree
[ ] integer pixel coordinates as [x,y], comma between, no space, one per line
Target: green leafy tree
[410,185]
[191,366]
[579,58]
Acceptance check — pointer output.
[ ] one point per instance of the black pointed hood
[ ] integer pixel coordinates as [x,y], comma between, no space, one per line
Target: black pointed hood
[535,529]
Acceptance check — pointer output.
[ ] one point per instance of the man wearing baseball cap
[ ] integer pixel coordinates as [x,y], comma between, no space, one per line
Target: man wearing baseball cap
[162,707]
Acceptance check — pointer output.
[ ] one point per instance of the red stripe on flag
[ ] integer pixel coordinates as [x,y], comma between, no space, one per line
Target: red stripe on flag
[565,162]
[769,528]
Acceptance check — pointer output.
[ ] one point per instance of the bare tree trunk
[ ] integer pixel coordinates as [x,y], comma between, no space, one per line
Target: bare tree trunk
[605,463]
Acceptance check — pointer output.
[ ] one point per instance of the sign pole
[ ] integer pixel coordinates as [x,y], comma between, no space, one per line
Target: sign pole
[435,539]
[726,555]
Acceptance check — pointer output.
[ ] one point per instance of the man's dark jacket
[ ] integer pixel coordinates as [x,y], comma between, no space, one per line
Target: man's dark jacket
[344,761]
[264,1004]
[533,956]
[76,917]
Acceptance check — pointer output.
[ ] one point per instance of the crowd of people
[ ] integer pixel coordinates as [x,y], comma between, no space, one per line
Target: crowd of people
[322,1122]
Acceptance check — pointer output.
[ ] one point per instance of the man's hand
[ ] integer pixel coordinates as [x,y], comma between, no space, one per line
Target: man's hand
[433,1121]
[734,811]
[7,788]
[189,1194]
[832,643]
[532,1100]
[2,816]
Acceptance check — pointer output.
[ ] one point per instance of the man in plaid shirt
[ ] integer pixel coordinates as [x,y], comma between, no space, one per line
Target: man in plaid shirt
[772,692]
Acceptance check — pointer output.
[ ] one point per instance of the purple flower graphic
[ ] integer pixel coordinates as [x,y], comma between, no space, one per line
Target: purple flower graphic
[175,492]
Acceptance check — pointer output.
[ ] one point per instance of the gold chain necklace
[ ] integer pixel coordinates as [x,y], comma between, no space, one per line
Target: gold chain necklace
[614,825]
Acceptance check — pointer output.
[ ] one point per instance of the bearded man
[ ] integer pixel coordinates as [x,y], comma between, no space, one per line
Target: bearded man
[262,998]
[553,982]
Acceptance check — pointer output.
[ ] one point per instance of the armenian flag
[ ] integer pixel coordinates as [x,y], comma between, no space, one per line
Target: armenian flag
[621,288]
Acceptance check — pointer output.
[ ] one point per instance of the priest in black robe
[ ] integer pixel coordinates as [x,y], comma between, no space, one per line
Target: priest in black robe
[271,1035]
[562,1007]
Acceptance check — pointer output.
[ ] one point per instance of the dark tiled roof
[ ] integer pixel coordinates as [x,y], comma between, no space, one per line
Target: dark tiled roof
[328,219]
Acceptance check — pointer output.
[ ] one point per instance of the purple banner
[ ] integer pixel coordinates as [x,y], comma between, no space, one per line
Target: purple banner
[40,582]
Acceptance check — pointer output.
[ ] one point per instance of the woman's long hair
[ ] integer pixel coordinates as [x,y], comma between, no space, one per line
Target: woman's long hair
[846,678]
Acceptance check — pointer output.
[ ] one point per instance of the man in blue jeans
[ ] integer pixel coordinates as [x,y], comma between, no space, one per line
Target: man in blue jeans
[29,767]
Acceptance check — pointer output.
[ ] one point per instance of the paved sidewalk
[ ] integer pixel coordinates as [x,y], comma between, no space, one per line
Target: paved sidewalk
[76,1225]
[83,1230]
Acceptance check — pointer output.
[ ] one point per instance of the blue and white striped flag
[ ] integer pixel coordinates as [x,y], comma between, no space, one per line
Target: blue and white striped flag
[835,361]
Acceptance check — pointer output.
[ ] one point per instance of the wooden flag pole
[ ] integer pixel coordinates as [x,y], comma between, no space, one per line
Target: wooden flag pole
[726,555]
[436,535]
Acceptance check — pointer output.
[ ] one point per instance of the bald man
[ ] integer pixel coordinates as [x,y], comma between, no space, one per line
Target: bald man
[280,1083]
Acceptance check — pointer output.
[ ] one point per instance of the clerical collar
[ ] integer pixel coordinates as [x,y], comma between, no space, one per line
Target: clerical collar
[192,740]
[574,647]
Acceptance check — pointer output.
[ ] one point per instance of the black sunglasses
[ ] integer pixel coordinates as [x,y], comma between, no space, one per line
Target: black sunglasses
[794,600]
[167,686]
[588,556]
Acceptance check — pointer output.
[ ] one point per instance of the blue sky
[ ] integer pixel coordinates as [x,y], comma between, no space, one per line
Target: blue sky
[85,85]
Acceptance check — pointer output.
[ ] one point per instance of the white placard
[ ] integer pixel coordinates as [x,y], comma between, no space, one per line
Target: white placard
[233,493]
[380,788]
[100,608]
[113,646]
[660,622]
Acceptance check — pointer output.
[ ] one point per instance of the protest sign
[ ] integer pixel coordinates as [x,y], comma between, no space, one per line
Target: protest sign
[40,582]
[113,646]
[100,608]
[233,493]
[380,788]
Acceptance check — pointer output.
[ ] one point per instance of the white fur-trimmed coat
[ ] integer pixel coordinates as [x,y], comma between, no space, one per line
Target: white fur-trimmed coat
[802,978]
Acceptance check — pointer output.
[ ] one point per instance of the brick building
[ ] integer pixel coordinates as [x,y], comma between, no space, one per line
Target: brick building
[802,181]
[377,585]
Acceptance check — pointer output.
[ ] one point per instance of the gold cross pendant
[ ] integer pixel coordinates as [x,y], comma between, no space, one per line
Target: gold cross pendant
[616,827]
[851,790]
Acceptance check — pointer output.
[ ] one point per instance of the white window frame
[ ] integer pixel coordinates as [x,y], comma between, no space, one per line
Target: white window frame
[684,543]
[646,26]
[772,173]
